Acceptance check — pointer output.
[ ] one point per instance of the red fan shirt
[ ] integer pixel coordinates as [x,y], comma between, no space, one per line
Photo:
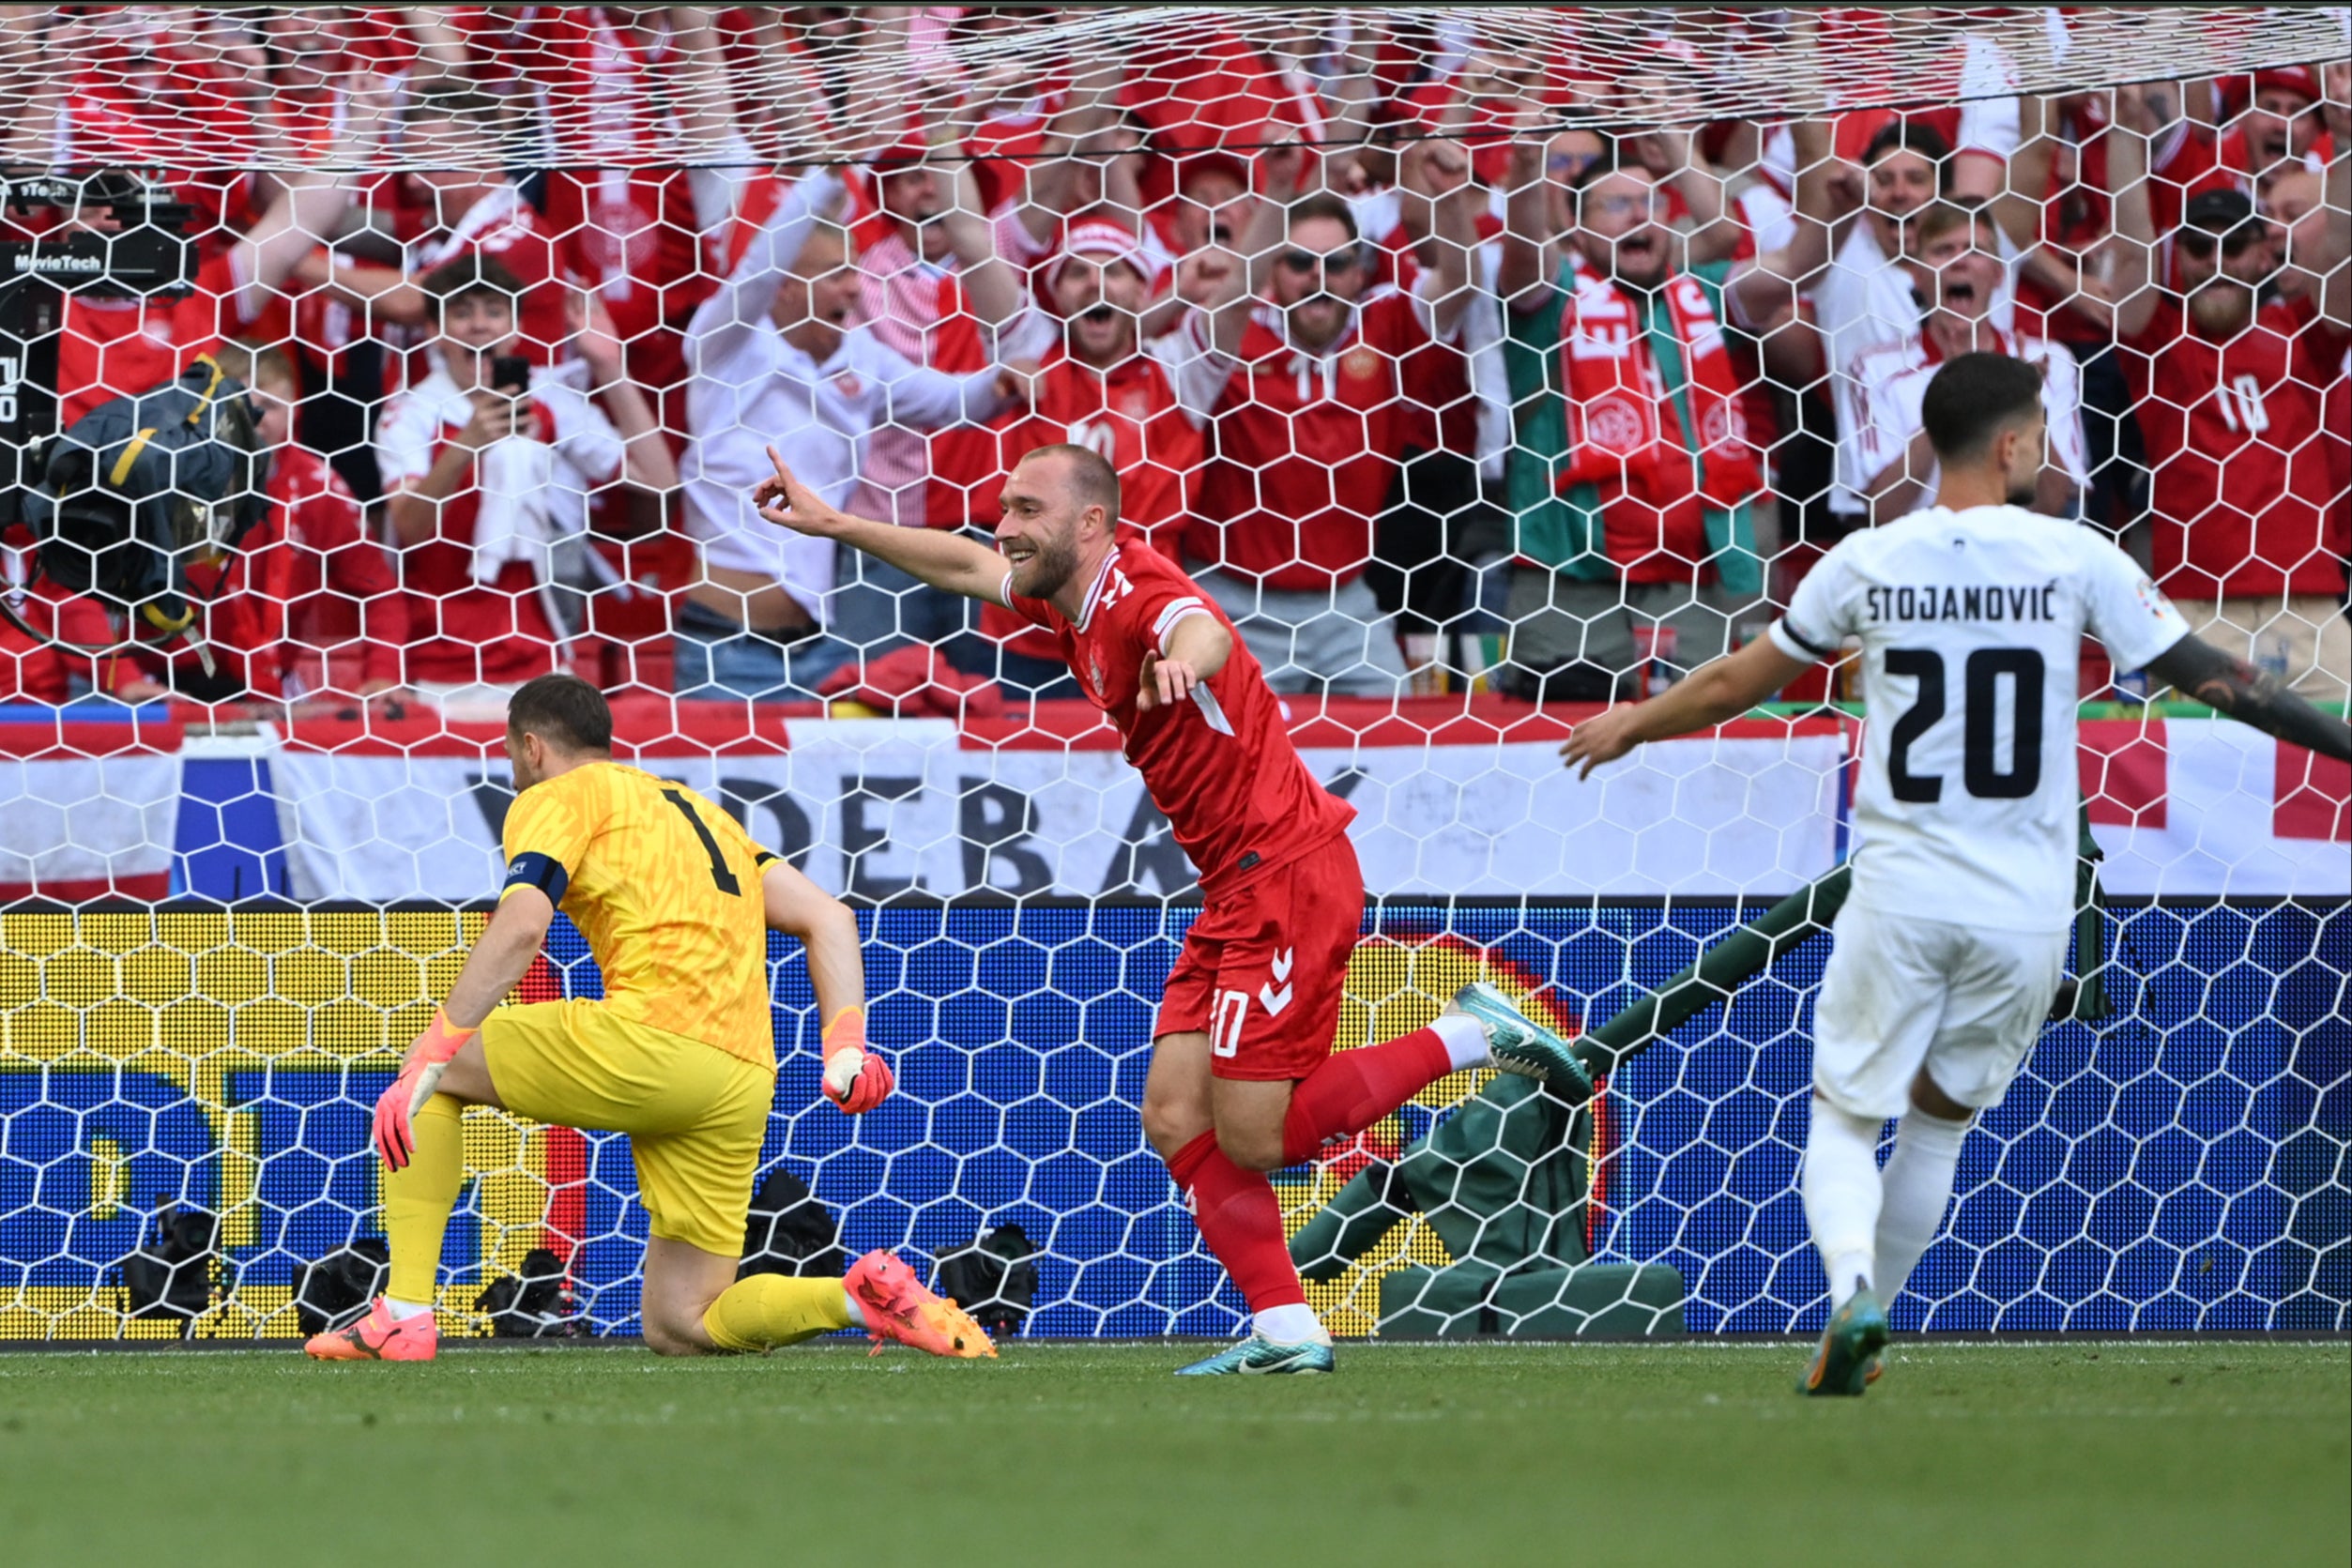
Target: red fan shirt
[629,235]
[1131,415]
[2077,216]
[1304,442]
[2244,503]
[1237,796]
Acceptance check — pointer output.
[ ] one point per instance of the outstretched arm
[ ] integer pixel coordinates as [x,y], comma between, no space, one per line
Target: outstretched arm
[2197,668]
[940,559]
[1723,690]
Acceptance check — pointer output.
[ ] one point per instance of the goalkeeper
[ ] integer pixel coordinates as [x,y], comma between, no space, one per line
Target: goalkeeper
[676,902]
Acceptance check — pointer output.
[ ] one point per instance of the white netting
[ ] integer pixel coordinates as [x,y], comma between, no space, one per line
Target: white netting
[522,294]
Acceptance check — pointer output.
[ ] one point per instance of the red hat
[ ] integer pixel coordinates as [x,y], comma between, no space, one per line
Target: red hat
[1105,241]
[2239,89]
[2300,80]
[1213,162]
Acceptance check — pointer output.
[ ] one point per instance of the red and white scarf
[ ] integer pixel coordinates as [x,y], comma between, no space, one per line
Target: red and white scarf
[1622,424]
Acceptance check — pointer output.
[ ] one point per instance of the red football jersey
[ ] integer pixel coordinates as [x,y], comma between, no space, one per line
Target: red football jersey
[1237,796]
[629,234]
[1131,415]
[1307,447]
[2243,501]
[2077,215]
[333,584]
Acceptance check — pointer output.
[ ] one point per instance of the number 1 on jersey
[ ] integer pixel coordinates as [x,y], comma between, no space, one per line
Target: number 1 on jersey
[719,874]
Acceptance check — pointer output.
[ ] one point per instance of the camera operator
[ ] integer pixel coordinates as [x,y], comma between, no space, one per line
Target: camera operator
[120,345]
[307,607]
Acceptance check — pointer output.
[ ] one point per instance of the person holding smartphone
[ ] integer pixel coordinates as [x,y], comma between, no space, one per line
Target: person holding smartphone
[489,464]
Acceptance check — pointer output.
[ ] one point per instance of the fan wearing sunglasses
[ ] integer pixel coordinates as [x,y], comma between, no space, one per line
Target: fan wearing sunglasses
[2248,532]
[1299,366]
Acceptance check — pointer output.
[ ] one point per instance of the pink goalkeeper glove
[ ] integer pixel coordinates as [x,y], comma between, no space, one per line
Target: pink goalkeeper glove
[856,1079]
[392,1132]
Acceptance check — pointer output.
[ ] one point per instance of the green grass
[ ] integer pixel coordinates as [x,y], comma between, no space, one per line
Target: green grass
[1698,1453]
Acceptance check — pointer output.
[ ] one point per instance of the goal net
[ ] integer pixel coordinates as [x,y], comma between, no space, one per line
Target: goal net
[1486,364]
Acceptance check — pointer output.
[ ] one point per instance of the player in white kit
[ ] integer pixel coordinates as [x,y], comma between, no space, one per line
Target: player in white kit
[1952,942]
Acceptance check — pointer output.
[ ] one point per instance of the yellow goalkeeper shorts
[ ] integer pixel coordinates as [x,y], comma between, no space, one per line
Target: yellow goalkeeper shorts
[695,1115]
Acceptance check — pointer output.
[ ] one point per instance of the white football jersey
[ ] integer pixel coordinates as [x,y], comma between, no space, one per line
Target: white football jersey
[1971,625]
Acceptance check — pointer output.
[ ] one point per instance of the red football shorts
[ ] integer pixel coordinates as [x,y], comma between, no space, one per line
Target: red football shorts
[1265,965]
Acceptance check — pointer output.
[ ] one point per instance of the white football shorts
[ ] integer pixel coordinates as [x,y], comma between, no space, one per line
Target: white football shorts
[1899,994]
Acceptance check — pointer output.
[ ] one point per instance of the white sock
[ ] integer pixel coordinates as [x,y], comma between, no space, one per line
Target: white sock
[1917,1183]
[1841,1196]
[403,1311]
[857,1313]
[1295,1324]
[1465,1040]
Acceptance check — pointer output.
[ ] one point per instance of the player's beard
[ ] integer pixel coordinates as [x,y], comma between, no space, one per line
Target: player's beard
[1050,568]
[2023,495]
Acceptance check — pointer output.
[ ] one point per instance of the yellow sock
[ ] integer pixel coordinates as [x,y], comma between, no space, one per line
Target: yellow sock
[417,1200]
[768,1310]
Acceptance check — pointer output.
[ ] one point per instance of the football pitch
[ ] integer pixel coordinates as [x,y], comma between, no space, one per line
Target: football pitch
[2017,1453]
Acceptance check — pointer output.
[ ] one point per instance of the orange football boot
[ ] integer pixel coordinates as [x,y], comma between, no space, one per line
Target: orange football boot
[378,1337]
[898,1306]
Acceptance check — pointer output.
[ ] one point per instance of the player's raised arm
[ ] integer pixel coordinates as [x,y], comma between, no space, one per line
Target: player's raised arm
[855,1078]
[942,560]
[1723,690]
[2251,695]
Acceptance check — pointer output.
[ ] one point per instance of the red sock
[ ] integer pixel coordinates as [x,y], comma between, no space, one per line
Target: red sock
[1242,1222]
[1353,1089]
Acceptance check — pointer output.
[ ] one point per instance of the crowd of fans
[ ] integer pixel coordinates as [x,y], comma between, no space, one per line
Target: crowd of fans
[1422,388]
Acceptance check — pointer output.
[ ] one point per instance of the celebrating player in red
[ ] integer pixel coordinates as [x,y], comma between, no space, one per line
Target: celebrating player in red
[1243,1080]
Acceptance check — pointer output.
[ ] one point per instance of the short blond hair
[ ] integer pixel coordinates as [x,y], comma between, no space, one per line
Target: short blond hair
[255,364]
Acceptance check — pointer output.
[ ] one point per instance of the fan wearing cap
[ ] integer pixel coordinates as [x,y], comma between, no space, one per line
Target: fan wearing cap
[2249,532]
[2277,129]
[1103,387]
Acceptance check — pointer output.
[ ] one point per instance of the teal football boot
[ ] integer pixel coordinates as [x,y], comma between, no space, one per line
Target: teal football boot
[1848,1359]
[1261,1357]
[1521,1045]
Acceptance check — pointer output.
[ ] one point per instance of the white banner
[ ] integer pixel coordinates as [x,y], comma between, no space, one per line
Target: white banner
[2207,808]
[878,807]
[75,828]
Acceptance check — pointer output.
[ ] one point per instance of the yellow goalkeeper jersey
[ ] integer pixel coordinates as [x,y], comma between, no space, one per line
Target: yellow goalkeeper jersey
[665,888]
